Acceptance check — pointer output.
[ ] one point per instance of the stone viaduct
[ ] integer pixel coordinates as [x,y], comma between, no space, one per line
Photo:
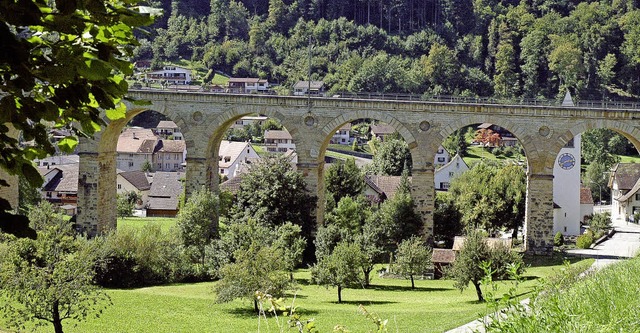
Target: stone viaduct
[204,118]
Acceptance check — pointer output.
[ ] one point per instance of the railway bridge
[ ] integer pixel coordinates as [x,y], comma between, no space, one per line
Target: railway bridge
[424,124]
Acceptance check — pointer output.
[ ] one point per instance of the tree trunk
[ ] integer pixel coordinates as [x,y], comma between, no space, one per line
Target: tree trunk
[57,322]
[255,306]
[367,280]
[478,291]
[514,235]
[413,285]
[339,294]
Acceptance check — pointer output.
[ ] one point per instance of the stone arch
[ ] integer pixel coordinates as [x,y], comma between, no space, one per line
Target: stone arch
[523,134]
[630,132]
[215,130]
[330,128]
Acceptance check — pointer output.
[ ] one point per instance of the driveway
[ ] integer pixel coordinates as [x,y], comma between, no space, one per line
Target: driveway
[625,243]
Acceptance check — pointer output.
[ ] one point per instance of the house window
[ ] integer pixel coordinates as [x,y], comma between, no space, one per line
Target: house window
[637,196]
[119,186]
[48,194]
[130,164]
[441,159]
[175,166]
[222,171]
[444,186]
[440,151]
[168,166]
[159,165]
[450,173]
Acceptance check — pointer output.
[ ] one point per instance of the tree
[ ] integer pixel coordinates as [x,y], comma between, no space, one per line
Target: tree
[63,69]
[197,221]
[146,166]
[341,268]
[398,218]
[29,196]
[413,258]
[391,158]
[49,279]
[490,196]
[447,220]
[125,206]
[344,179]
[258,268]
[273,193]
[466,268]
[291,245]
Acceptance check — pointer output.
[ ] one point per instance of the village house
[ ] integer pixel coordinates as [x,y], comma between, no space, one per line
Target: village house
[134,181]
[139,146]
[232,155]
[135,148]
[57,160]
[342,135]
[444,173]
[167,129]
[278,141]
[624,183]
[302,88]
[60,186]
[169,155]
[586,204]
[165,190]
[381,131]
[249,120]
[247,85]
[172,75]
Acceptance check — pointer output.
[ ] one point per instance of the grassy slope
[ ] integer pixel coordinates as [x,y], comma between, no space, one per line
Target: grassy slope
[434,306]
[138,222]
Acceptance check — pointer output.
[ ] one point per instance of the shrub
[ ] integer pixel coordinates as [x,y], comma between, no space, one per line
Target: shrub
[501,257]
[558,239]
[585,240]
[132,258]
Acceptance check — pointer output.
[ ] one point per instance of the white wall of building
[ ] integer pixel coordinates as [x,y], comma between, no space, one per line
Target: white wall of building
[566,189]
[443,175]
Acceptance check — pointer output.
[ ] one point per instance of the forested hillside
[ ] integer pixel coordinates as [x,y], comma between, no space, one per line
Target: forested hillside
[533,48]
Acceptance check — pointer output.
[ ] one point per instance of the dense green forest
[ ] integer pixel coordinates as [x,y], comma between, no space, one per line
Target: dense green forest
[531,49]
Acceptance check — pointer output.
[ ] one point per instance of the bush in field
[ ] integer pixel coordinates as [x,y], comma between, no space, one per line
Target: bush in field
[140,257]
[585,240]
[558,239]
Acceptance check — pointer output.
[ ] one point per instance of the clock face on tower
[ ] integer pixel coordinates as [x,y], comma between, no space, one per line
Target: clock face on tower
[566,161]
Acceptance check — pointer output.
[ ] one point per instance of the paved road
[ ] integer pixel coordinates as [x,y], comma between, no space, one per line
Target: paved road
[625,243]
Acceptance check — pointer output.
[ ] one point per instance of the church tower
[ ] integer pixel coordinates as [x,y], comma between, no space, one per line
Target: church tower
[566,185]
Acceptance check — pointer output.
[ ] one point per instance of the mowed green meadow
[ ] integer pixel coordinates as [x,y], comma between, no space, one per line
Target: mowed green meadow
[434,306]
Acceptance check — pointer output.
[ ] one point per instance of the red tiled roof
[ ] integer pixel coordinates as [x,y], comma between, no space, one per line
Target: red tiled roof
[443,256]
[275,134]
[626,175]
[585,196]
[382,129]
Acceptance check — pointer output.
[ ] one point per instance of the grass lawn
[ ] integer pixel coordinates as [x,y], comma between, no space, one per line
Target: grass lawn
[476,153]
[138,222]
[629,159]
[434,306]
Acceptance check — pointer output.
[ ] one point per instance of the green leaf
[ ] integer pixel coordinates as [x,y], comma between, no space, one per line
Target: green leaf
[95,69]
[68,144]
[118,112]
[32,175]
